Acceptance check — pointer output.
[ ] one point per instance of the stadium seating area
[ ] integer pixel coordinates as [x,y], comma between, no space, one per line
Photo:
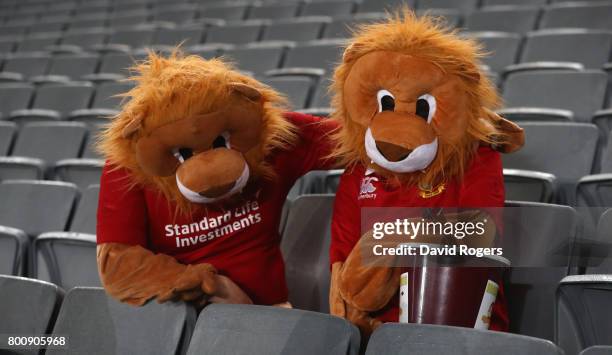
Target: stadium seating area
[61,65]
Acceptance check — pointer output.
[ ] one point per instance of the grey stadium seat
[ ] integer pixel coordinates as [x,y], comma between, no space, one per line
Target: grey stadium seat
[187,35]
[37,198]
[321,97]
[532,186]
[599,259]
[450,17]
[595,15]
[328,8]
[21,66]
[465,6]
[7,133]
[121,328]
[28,306]
[581,93]
[85,38]
[90,152]
[229,12]
[39,145]
[79,171]
[239,33]
[273,11]
[37,42]
[177,13]
[106,103]
[341,27]
[106,95]
[50,141]
[305,246]
[66,259]
[590,48]
[537,239]
[596,190]
[321,54]
[50,25]
[566,150]
[518,19]
[15,96]
[513,2]
[134,37]
[131,18]
[113,66]
[502,48]
[298,29]
[56,101]
[89,21]
[261,330]
[381,6]
[297,89]
[424,339]
[66,67]
[14,244]
[584,315]
[84,218]
[597,350]
[257,57]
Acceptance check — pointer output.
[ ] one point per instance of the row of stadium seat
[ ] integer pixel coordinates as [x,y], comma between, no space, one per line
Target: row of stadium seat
[545,236]
[520,17]
[584,48]
[530,291]
[176,328]
[540,95]
[557,159]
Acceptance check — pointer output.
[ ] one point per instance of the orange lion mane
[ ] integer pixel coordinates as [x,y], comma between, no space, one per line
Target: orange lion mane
[178,86]
[429,39]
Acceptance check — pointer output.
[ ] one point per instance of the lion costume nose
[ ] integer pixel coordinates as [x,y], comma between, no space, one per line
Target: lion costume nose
[392,151]
[212,174]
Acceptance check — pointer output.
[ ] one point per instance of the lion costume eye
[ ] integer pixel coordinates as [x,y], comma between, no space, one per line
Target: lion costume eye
[386,101]
[426,107]
[182,154]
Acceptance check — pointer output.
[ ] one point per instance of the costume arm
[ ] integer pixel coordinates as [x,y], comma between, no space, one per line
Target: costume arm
[133,274]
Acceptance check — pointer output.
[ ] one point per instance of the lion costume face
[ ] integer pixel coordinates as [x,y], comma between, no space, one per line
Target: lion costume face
[412,101]
[195,129]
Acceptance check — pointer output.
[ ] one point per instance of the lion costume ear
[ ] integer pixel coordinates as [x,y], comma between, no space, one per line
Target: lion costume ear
[351,52]
[514,136]
[247,91]
[133,126]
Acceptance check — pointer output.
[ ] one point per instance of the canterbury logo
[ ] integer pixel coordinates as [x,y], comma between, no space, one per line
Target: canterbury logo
[367,187]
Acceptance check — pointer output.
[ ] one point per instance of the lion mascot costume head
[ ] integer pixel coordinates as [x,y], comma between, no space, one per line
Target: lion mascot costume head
[415,109]
[195,129]
[414,103]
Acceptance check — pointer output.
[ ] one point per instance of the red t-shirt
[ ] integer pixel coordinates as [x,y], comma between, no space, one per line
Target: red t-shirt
[481,186]
[241,240]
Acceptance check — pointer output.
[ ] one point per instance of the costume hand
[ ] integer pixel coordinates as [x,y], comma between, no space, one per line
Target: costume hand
[229,292]
[194,284]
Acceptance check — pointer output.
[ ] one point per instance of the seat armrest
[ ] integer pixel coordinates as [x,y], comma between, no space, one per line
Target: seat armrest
[515,68]
[11,76]
[36,112]
[315,72]
[536,114]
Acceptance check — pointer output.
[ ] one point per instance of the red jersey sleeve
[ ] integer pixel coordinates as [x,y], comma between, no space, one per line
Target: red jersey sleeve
[346,225]
[122,213]
[313,145]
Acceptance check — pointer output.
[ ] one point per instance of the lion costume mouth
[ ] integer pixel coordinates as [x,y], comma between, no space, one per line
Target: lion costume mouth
[196,197]
[418,159]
